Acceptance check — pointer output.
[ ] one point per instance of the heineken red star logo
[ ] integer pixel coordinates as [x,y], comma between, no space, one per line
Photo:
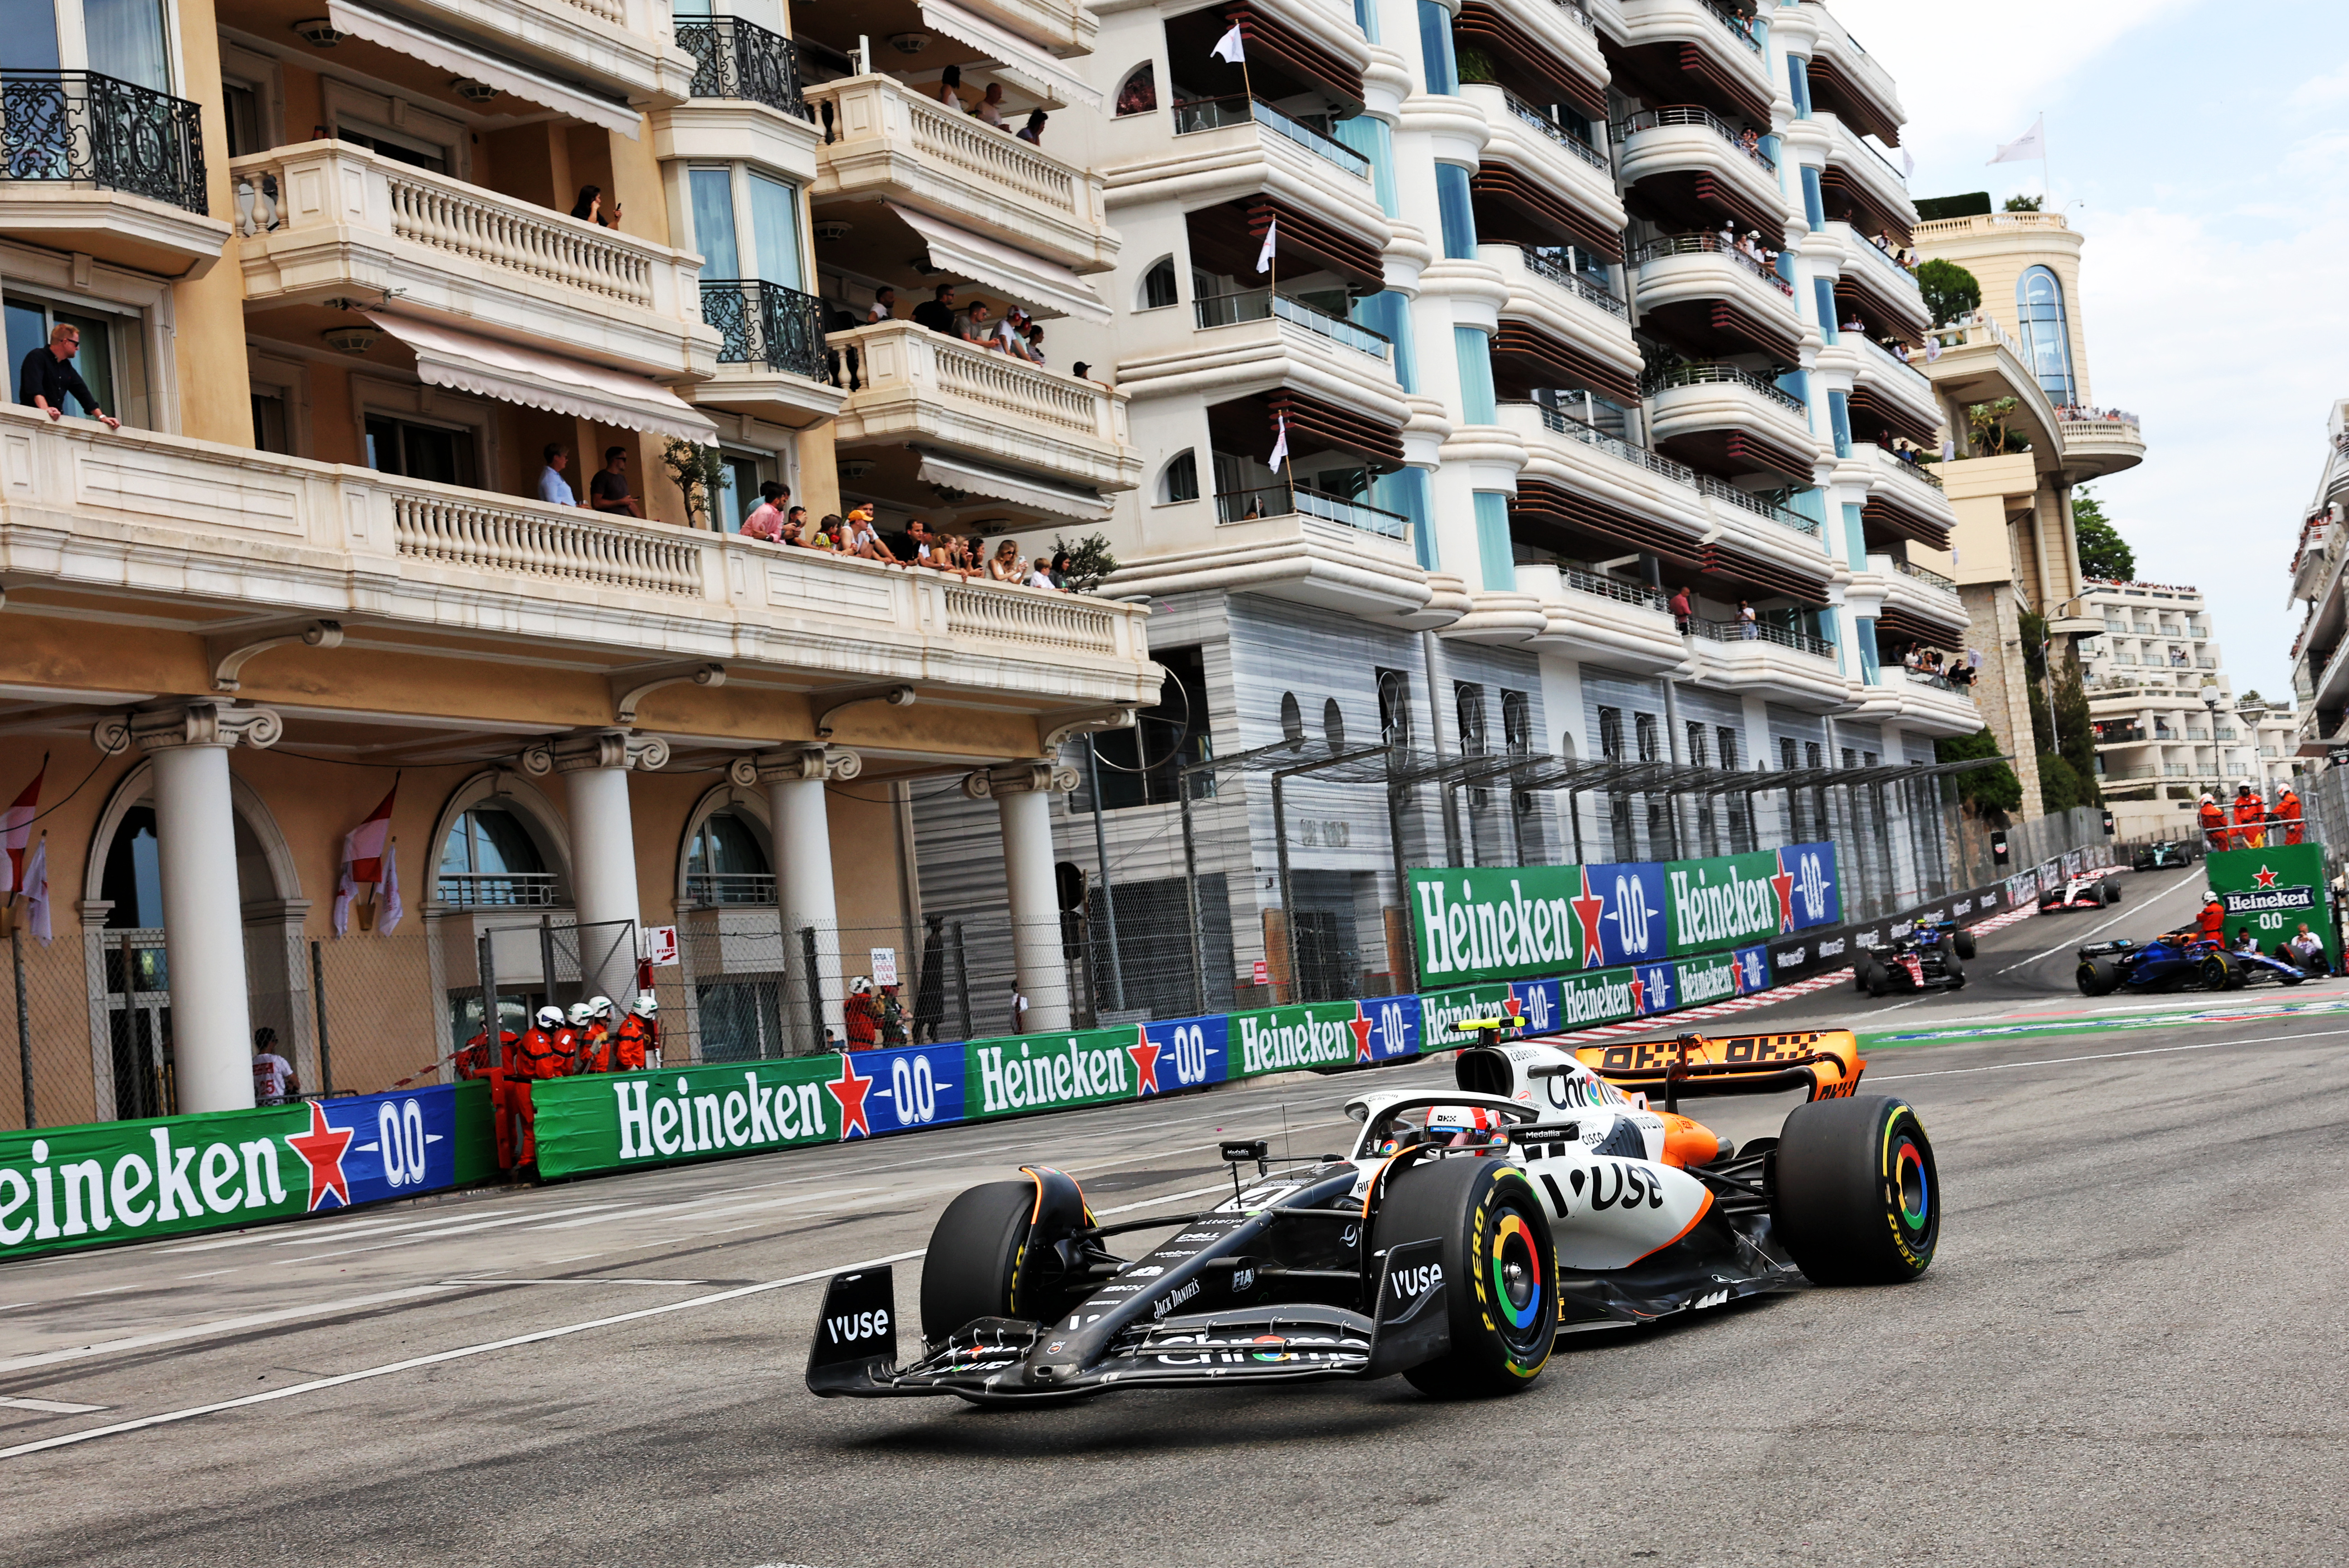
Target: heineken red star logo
[850,1090]
[1145,1060]
[1783,884]
[1639,992]
[1516,1005]
[1362,1027]
[322,1149]
[1589,910]
[2266,878]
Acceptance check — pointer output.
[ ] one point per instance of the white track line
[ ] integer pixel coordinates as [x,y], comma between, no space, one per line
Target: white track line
[220,1325]
[2108,1055]
[458,1353]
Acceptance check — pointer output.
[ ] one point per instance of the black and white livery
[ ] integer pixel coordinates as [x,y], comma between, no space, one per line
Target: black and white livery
[2080,893]
[1461,1233]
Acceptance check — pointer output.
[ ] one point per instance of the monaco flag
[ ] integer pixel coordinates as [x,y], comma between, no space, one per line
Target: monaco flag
[16,831]
[363,857]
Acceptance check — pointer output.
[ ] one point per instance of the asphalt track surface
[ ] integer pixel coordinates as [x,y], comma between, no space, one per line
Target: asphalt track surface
[2128,1350]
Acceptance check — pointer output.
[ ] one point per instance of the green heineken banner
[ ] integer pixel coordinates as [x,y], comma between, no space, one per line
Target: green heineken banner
[604,1122]
[1711,979]
[1498,924]
[1049,1072]
[2272,893]
[1724,902]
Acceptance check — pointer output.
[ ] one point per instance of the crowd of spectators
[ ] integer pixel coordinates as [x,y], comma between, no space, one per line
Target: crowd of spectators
[1958,669]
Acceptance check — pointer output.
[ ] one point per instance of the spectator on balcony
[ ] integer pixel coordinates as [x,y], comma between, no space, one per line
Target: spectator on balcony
[590,207]
[979,327]
[1682,616]
[553,488]
[1036,341]
[1032,132]
[766,519]
[1750,140]
[608,491]
[1747,627]
[1005,566]
[1064,571]
[991,108]
[830,529]
[884,306]
[951,87]
[937,312]
[795,525]
[47,377]
[865,541]
[1040,575]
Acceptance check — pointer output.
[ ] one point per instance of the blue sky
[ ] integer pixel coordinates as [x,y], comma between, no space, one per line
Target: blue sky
[2210,162]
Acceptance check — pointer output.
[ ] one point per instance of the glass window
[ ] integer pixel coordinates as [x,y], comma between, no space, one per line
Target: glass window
[133,878]
[1158,285]
[269,423]
[1468,706]
[1815,202]
[1477,406]
[1494,554]
[1438,67]
[489,841]
[1405,492]
[1610,733]
[399,151]
[244,133]
[1389,314]
[1798,84]
[1839,419]
[1374,139]
[775,230]
[1139,93]
[1822,295]
[738,492]
[1517,724]
[29,323]
[1458,215]
[1863,636]
[726,845]
[2046,339]
[126,41]
[713,223]
[28,34]
[435,453]
[1181,480]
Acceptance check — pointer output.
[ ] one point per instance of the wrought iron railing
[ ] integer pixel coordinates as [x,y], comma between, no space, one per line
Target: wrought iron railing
[82,128]
[1533,116]
[1762,631]
[740,59]
[489,889]
[1283,499]
[1720,373]
[764,324]
[1214,113]
[1691,244]
[1257,304]
[730,887]
[1692,114]
[1559,273]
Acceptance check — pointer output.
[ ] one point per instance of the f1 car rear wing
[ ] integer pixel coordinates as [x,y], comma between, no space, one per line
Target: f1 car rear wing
[2107,950]
[1825,1062]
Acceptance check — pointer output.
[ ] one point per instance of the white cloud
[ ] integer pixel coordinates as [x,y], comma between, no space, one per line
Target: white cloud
[2317,92]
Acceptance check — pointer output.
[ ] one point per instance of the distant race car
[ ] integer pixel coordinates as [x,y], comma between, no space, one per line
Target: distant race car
[1465,1230]
[2080,893]
[2177,961]
[2156,856]
[1929,958]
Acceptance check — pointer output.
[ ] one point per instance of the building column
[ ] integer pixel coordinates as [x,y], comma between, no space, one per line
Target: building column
[595,764]
[1023,797]
[800,829]
[203,920]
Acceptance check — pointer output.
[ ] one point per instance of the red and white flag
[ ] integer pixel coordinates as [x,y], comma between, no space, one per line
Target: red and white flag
[1271,239]
[392,907]
[16,831]
[1279,446]
[35,888]
[363,858]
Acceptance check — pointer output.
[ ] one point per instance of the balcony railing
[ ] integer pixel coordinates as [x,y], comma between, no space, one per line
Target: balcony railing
[500,889]
[1924,382]
[1637,594]
[740,59]
[1214,113]
[1285,500]
[1691,114]
[1762,631]
[1740,29]
[1577,15]
[1720,373]
[1852,138]
[1258,303]
[765,325]
[1939,679]
[1693,244]
[2129,735]
[81,128]
[1565,277]
[1654,462]
[1550,127]
[1923,575]
[729,887]
[1916,470]
[1883,261]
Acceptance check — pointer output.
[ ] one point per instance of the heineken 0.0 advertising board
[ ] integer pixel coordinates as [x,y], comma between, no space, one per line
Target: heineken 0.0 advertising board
[608,1121]
[2271,892]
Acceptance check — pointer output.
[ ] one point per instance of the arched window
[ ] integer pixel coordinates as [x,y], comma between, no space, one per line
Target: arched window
[1158,285]
[727,864]
[133,880]
[490,857]
[1138,94]
[1179,481]
[1293,717]
[1333,726]
[2046,335]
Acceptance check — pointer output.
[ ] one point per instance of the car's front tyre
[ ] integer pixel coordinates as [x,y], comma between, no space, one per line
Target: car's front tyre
[1854,1196]
[2099,977]
[1500,1270]
[972,1268]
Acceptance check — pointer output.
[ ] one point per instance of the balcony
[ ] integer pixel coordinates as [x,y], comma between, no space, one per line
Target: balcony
[1263,303]
[1770,662]
[324,220]
[230,536]
[1292,543]
[921,397]
[500,890]
[1694,45]
[1863,188]
[1559,327]
[1691,169]
[1917,604]
[619,48]
[1934,705]
[2097,444]
[1889,392]
[749,102]
[1558,163]
[890,144]
[1906,499]
[1235,345]
[1879,290]
[1847,82]
[1624,625]
[1711,295]
[109,170]
[772,363]
[1728,419]
[718,889]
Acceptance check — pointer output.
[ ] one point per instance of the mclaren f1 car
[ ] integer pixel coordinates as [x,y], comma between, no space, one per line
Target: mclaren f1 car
[2179,961]
[1928,957]
[1465,1231]
[2080,893]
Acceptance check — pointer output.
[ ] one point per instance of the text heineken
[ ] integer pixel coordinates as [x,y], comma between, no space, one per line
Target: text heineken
[658,1121]
[1601,996]
[1704,979]
[1492,925]
[1031,1075]
[1722,903]
[1268,1045]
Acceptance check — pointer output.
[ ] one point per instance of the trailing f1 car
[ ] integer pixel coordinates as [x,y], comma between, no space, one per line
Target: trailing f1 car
[1465,1230]
[2178,960]
[2080,893]
[1929,958]
[2158,857]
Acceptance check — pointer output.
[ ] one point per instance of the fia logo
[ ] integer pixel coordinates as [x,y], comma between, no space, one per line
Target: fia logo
[1410,1284]
[1633,919]
[850,1327]
[1242,1279]
[1812,886]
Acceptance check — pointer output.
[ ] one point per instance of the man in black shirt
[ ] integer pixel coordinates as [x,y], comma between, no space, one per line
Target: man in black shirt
[937,313]
[608,491]
[47,377]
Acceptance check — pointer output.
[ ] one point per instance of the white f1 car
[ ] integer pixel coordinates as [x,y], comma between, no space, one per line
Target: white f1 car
[2080,893]
[1465,1231]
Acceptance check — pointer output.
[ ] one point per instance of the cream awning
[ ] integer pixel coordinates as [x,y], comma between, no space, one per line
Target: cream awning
[1047,288]
[446,356]
[448,53]
[1037,495]
[1017,61]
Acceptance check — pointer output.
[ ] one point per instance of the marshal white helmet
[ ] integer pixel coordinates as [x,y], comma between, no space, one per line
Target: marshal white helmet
[550,1017]
[861,986]
[599,1007]
[646,1005]
[2207,800]
[580,1014]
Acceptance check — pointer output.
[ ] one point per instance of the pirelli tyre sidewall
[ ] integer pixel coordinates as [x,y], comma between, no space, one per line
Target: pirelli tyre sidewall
[1854,1196]
[972,1268]
[2099,977]
[1500,1268]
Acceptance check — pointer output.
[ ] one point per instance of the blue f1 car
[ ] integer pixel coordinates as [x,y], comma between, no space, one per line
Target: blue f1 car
[2178,960]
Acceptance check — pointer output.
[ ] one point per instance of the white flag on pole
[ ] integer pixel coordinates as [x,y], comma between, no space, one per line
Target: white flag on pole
[1271,238]
[1908,164]
[2028,147]
[1280,446]
[392,907]
[36,890]
[1229,48]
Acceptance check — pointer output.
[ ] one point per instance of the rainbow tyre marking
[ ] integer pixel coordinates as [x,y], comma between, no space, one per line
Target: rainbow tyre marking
[1911,1186]
[1515,1261]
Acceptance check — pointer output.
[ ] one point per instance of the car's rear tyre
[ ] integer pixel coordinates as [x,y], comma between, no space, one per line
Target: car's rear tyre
[2217,973]
[1500,1269]
[972,1269]
[1868,974]
[1964,943]
[1951,965]
[2099,977]
[1855,1199]
[2112,892]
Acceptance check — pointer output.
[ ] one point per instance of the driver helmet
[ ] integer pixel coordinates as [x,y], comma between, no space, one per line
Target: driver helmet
[580,1014]
[646,1005]
[550,1017]
[599,1007]
[1461,1127]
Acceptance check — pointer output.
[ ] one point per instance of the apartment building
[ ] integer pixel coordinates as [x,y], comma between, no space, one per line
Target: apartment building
[2320,677]
[337,268]
[2009,475]
[2169,727]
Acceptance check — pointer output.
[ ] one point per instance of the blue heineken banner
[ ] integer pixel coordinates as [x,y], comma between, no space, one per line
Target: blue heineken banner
[1182,1054]
[913,1087]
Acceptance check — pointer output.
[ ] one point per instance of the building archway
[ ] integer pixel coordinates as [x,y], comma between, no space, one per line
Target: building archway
[541,828]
